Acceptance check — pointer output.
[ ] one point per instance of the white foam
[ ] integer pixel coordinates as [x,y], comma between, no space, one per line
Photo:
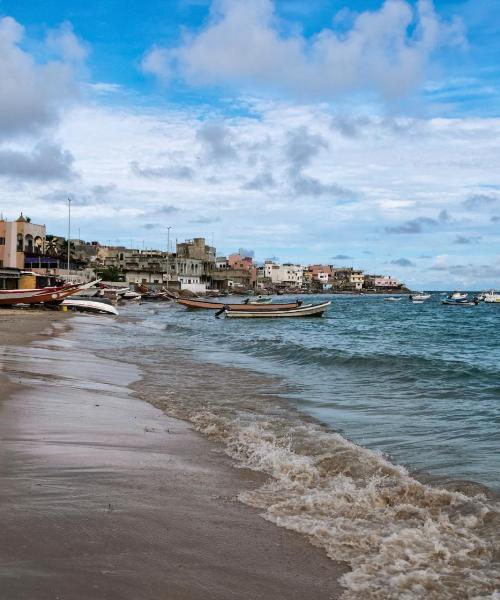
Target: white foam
[402,538]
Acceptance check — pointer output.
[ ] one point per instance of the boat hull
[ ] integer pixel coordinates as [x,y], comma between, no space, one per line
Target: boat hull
[313,310]
[89,306]
[204,304]
[37,296]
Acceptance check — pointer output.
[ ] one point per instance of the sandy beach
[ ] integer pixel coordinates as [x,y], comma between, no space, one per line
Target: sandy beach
[102,496]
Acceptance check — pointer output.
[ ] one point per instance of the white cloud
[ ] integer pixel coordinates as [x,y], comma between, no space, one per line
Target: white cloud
[386,51]
[33,94]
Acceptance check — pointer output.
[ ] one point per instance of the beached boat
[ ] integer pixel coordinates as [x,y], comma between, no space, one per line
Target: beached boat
[311,310]
[95,305]
[492,297]
[206,304]
[47,295]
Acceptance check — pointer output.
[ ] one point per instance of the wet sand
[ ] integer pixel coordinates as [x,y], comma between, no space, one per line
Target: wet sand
[102,496]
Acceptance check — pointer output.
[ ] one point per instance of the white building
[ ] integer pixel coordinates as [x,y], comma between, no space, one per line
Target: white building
[284,274]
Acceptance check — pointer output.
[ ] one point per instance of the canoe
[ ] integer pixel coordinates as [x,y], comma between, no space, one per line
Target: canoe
[48,295]
[311,310]
[196,304]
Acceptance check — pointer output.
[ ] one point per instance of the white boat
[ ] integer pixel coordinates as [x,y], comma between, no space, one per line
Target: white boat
[130,295]
[96,305]
[492,297]
[392,299]
[311,310]
[458,296]
[419,297]
[259,300]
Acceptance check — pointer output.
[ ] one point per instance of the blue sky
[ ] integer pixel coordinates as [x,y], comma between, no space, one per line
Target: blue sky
[362,133]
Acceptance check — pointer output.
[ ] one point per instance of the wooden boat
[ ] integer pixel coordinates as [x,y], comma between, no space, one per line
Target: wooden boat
[48,295]
[196,304]
[310,310]
[450,301]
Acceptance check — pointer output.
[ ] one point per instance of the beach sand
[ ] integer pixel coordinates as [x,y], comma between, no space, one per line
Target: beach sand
[102,496]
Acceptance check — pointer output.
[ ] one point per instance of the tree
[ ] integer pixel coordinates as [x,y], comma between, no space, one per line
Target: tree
[111,273]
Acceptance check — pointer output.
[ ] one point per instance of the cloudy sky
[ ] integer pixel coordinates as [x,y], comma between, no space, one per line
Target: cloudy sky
[362,132]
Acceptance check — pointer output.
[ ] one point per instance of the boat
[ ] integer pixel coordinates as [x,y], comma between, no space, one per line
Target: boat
[259,300]
[95,305]
[392,299]
[311,310]
[419,297]
[458,299]
[492,297]
[47,295]
[206,304]
[458,296]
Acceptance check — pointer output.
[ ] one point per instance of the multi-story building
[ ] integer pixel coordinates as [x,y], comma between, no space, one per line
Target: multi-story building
[356,279]
[19,240]
[286,274]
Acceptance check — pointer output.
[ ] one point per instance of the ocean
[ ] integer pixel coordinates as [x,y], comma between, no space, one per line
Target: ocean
[378,426]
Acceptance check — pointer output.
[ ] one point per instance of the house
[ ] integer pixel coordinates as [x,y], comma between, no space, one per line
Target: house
[287,274]
[20,240]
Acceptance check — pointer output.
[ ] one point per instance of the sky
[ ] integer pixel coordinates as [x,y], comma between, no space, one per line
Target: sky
[363,133]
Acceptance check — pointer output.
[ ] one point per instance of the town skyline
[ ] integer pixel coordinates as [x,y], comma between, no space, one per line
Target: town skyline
[153,118]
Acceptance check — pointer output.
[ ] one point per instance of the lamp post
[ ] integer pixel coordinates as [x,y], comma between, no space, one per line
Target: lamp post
[168,256]
[69,231]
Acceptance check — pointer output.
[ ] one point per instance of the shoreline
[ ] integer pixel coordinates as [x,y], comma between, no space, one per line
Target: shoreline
[120,500]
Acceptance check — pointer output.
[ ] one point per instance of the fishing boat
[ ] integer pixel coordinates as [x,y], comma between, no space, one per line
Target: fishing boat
[458,296]
[311,310]
[419,297]
[492,297]
[206,304]
[457,299]
[47,295]
[95,305]
[259,300]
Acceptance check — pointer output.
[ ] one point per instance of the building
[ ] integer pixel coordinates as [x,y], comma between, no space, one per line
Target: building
[386,281]
[356,279]
[321,275]
[20,240]
[287,274]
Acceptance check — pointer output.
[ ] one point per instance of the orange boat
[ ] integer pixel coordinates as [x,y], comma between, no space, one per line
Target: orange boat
[193,304]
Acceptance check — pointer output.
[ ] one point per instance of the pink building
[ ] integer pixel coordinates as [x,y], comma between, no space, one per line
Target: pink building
[386,281]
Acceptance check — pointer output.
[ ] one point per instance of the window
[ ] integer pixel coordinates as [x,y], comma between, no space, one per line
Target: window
[2,241]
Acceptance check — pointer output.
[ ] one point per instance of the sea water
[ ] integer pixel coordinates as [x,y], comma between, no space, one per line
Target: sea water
[377,425]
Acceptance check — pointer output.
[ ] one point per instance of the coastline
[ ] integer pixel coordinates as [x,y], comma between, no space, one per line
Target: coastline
[103,495]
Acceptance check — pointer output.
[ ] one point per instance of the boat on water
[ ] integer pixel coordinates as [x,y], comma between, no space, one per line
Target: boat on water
[392,299]
[458,296]
[492,297]
[206,304]
[259,300]
[458,299]
[308,310]
[95,305]
[47,295]
[419,297]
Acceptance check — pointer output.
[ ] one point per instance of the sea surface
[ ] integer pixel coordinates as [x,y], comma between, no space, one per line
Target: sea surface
[378,426]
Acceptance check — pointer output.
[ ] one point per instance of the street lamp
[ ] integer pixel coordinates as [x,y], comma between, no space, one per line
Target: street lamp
[168,256]
[69,231]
